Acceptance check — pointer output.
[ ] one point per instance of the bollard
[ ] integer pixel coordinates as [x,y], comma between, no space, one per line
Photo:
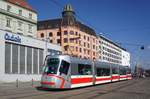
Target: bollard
[32,82]
[17,83]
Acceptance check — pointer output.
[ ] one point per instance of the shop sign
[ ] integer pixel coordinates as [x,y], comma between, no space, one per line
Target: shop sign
[11,37]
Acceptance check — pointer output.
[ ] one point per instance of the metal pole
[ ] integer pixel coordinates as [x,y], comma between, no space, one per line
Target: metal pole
[17,83]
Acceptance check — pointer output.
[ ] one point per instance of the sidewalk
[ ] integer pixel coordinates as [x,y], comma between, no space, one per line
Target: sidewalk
[19,84]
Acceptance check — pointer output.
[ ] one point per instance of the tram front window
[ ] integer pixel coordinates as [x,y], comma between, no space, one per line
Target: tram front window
[51,66]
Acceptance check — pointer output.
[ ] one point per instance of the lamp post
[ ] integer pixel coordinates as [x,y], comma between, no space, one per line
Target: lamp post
[46,41]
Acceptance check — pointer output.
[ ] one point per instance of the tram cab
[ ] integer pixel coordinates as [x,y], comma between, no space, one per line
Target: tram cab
[56,72]
[63,71]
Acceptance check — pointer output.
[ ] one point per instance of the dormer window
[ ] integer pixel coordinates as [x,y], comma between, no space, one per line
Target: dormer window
[20,12]
[8,8]
[30,16]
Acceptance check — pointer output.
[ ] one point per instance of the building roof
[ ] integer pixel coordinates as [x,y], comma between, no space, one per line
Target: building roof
[110,41]
[21,3]
[56,23]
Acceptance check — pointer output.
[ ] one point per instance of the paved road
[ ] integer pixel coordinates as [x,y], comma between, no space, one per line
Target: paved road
[131,89]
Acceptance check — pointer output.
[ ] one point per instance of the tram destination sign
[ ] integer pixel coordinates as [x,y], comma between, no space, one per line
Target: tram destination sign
[12,37]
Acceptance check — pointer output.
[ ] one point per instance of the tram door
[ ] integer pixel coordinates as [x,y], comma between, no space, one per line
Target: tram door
[64,70]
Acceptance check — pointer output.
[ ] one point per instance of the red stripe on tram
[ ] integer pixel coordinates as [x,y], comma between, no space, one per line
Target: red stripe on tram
[123,77]
[62,79]
[102,79]
[81,80]
[48,83]
[115,77]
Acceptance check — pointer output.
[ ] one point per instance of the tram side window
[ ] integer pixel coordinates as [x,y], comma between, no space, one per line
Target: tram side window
[103,72]
[64,67]
[84,69]
[74,69]
[114,71]
[122,72]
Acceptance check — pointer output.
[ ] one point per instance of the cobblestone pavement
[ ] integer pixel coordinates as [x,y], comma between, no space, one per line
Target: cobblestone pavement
[130,89]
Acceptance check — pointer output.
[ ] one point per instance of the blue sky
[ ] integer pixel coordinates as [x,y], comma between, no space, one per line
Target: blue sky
[124,21]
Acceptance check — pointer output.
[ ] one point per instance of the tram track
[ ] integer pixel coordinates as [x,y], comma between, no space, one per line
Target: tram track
[99,90]
[98,94]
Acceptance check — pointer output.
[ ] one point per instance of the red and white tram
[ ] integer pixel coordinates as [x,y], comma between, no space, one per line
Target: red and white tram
[64,71]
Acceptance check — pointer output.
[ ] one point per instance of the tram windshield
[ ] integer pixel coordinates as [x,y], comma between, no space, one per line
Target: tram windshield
[51,66]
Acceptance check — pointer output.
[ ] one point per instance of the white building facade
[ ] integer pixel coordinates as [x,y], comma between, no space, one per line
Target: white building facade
[18,17]
[125,58]
[22,57]
[112,53]
[21,54]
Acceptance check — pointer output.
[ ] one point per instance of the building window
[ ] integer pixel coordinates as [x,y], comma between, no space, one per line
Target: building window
[65,40]
[30,28]
[42,35]
[65,32]
[15,59]
[84,37]
[79,42]
[88,52]
[8,22]
[88,45]
[76,33]
[19,57]
[71,33]
[88,39]
[94,40]
[51,41]
[80,35]
[80,49]
[72,48]
[20,25]
[84,51]
[29,60]
[58,34]
[8,8]
[84,44]
[41,53]
[93,46]
[66,48]
[22,59]
[71,40]
[94,53]
[35,61]
[50,34]
[30,16]
[7,58]
[76,41]
[58,41]
[76,48]
[20,12]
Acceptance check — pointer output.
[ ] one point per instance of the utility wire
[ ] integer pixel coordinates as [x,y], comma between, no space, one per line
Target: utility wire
[101,32]
[77,15]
